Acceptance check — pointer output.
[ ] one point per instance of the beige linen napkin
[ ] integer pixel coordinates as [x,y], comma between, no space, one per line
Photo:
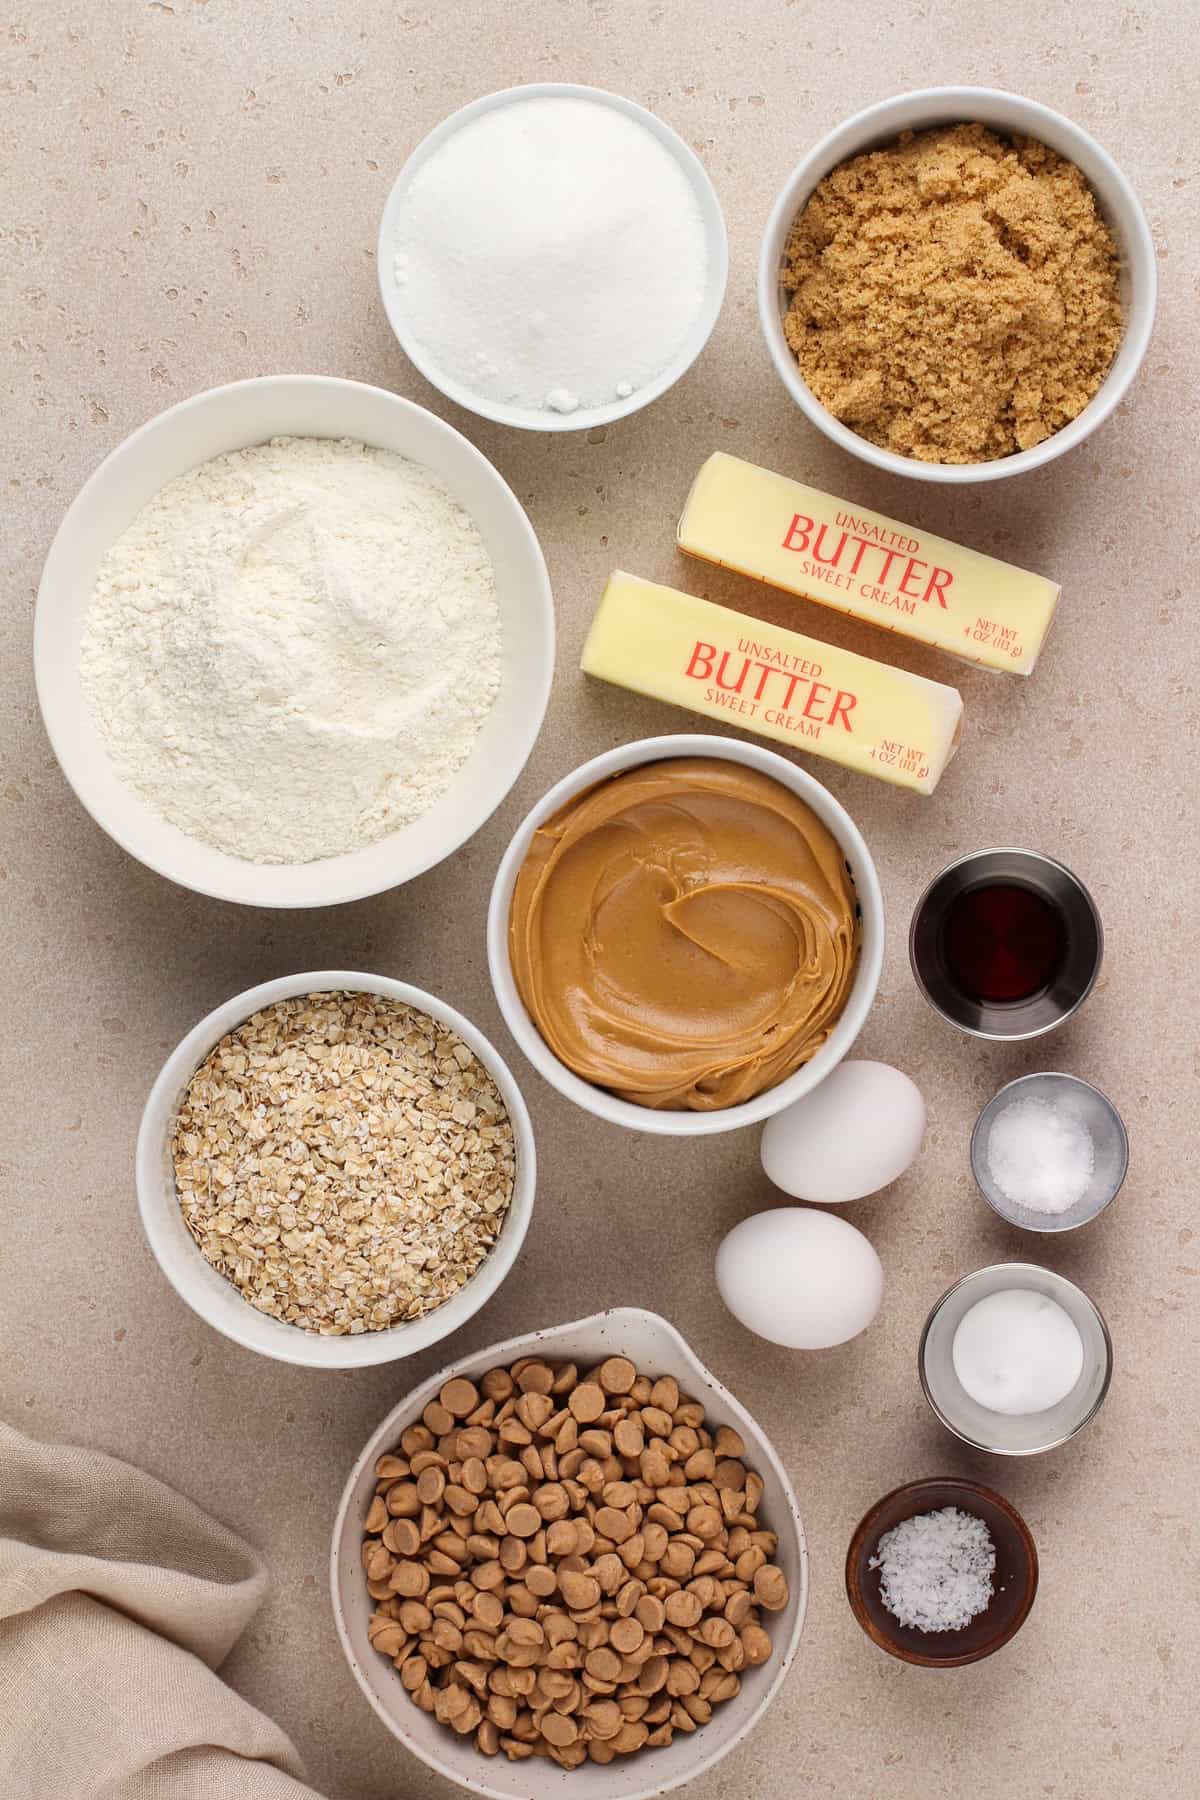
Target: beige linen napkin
[118,1599]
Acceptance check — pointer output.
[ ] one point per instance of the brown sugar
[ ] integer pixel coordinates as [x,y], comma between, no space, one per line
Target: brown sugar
[955,295]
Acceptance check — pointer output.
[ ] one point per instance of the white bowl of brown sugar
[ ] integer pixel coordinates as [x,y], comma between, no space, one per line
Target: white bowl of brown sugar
[957,285]
[335,1169]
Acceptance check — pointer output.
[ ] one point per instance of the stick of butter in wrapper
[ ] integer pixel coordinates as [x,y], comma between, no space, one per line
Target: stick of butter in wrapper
[864,564]
[862,714]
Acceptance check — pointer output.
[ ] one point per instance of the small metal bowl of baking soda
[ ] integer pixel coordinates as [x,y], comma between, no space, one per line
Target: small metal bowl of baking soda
[1015,1359]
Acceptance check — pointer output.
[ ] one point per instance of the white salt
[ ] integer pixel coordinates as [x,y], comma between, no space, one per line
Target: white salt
[1040,1156]
[551,253]
[935,1571]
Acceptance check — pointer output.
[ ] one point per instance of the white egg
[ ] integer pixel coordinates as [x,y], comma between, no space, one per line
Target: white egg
[801,1278]
[855,1133]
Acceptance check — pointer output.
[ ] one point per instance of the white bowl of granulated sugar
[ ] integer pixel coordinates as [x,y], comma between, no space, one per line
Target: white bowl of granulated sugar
[552,257]
[294,641]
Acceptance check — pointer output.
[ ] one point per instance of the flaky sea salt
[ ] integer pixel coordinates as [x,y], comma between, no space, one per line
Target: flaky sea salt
[1040,1156]
[935,1570]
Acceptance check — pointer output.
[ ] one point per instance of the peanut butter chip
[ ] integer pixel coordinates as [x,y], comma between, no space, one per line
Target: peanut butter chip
[704,1521]
[626,1635]
[604,1718]
[587,1402]
[605,1665]
[431,1485]
[459,1397]
[580,1592]
[652,1675]
[522,1520]
[683,1609]
[629,1437]
[613,1524]
[651,1613]
[771,1588]
[410,1579]
[488,1610]
[474,1476]
[558,1729]
[617,1375]
[402,1537]
[552,1501]
[562,1539]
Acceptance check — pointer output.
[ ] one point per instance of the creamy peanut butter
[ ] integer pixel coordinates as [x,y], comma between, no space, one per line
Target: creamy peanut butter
[684,934]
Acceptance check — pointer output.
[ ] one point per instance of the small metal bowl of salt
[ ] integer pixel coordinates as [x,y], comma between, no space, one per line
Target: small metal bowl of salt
[1049,1152]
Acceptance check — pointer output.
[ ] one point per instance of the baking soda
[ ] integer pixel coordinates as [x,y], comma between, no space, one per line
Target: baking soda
[550,254]
[1017,1352]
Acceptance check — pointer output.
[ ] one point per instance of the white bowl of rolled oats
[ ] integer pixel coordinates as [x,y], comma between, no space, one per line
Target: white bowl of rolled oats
[335,1169]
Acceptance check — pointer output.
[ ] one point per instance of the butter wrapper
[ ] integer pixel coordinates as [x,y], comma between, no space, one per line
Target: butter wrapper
[862,563]
[854,711]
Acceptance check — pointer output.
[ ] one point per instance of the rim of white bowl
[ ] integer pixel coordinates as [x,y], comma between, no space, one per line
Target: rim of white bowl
[185,1267]
[1118,202]
[275,882]
[599,1101]
[508,1351]
[525,418]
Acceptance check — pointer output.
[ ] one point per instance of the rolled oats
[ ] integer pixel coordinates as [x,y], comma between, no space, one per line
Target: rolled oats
[345,1160]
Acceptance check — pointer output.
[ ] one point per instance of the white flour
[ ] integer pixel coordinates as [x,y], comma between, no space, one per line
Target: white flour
[292,649]
[551,253]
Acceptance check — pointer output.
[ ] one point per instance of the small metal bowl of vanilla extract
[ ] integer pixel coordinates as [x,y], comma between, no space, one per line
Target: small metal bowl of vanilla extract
[1006,944]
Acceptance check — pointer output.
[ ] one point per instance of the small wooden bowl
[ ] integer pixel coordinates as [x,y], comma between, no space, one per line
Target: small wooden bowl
[1014,1582]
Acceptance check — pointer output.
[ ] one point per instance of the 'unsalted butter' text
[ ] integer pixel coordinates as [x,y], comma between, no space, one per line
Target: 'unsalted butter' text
[806,535]
[731,671]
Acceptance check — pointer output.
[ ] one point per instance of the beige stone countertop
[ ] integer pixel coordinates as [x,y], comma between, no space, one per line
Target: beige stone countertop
[191,193]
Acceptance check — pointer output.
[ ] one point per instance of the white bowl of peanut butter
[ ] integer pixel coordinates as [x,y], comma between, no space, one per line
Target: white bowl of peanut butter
[685,935]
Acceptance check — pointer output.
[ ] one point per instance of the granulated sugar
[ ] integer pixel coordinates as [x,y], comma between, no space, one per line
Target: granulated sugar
[550,253]
[936,1569]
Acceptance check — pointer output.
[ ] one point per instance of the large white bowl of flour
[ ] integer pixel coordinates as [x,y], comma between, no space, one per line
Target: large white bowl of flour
[313,676]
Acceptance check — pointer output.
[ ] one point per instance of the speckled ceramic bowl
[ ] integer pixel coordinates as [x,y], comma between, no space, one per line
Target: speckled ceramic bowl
[657,1349]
